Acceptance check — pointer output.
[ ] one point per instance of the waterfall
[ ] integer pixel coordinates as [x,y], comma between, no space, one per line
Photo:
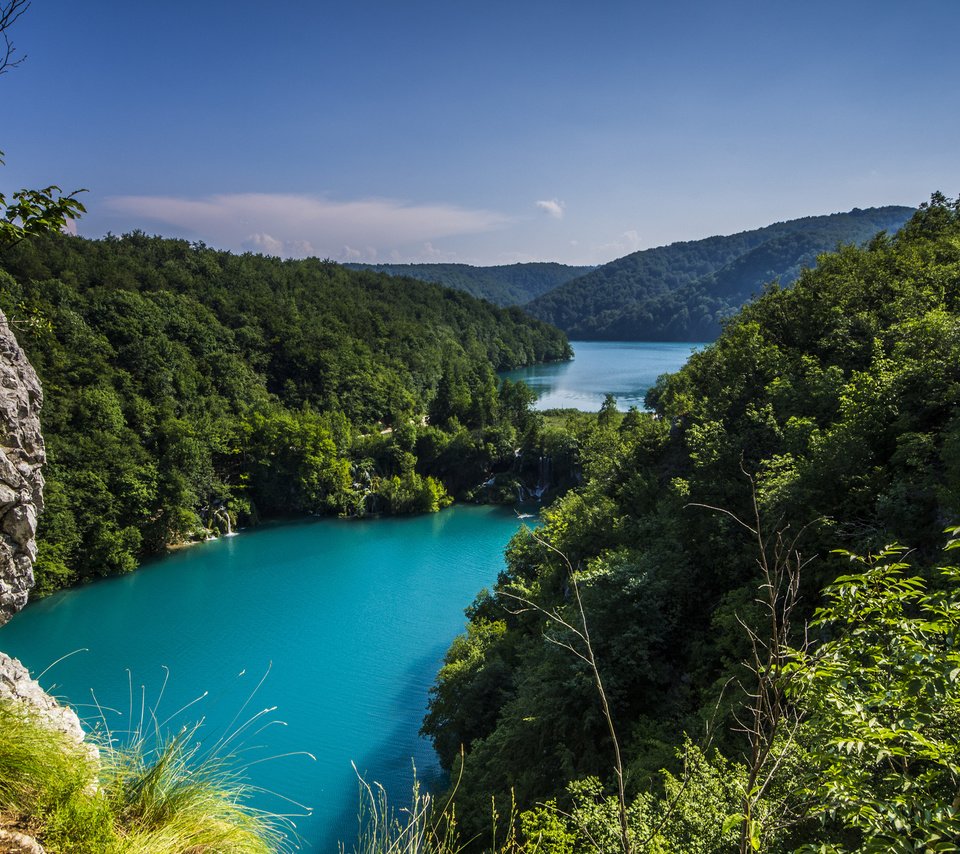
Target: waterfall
[543,478]
[218,518]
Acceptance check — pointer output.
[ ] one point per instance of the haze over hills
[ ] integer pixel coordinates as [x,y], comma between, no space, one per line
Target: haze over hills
[680,292]
[506,284]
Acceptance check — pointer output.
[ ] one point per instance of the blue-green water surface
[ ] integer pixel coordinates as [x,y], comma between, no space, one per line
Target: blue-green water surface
[625,369]
[350,618]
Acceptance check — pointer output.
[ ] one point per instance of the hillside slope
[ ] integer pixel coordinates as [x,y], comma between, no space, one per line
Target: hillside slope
[827,410]
[683,291]
[507,284]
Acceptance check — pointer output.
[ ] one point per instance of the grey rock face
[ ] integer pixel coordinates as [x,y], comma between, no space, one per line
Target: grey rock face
[21,482]
[12,842]
[17,685]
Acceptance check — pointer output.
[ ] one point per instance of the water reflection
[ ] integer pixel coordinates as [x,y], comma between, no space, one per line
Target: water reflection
[625,369]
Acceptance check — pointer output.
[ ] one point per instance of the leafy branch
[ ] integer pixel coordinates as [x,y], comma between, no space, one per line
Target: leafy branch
[30,213]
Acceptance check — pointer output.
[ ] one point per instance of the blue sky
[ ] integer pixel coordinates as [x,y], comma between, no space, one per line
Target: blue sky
[483,133]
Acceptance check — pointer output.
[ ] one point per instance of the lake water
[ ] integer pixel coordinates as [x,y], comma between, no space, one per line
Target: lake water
[350,618]
[625,369]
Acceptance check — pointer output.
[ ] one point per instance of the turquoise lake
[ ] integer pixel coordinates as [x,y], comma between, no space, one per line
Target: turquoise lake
[625,369]
[347,621]
[350,618]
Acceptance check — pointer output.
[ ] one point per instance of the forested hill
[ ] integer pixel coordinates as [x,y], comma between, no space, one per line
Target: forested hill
[508,284]
[681,292]
[187,389]
[829,413]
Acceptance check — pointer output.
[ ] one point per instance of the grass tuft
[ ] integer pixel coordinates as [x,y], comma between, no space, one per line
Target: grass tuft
[49,785]
[426,826]
[171,798]
[417,829]
[150,796]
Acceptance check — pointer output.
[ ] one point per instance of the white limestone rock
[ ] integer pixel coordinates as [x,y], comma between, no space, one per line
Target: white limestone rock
[13,842]
[21,482]
[16,684]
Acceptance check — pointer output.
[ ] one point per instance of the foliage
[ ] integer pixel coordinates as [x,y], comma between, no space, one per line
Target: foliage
[883,703]
[683,292]
[838,397]
[29,213]
[685,816]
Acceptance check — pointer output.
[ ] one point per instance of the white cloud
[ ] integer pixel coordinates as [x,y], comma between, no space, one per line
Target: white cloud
[433,254]
[366,255]
[265,244]
[295,226]
[626,244]
[552,207]
[300,248]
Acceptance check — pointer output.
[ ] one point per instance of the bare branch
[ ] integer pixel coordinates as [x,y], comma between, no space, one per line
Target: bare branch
[725,512]
[10,11]
[768,722]
[587,656]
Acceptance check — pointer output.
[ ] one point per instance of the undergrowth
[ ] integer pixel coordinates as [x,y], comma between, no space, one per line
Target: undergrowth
[150,796]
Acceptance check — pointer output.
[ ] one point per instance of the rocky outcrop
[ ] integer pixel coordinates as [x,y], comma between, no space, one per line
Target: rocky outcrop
[16,684]
[21,481]
[21,500]
[12,842]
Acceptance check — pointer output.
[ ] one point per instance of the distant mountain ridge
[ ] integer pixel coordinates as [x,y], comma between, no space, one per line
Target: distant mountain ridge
[683,291]
[680,292]
[507,284]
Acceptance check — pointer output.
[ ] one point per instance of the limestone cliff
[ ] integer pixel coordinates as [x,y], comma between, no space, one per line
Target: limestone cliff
[21,500]
[21,481]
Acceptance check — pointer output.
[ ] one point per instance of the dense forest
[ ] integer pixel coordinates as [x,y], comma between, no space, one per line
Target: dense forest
[506,284]
[664,606]
[188,390]
[682,292]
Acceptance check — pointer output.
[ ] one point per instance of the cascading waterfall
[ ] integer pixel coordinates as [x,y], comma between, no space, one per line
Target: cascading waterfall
[220,517]
[517,474]
[543,477]
[525,493]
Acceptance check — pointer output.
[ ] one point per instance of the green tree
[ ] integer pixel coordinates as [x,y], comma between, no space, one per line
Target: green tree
[882,696]
[608,414]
